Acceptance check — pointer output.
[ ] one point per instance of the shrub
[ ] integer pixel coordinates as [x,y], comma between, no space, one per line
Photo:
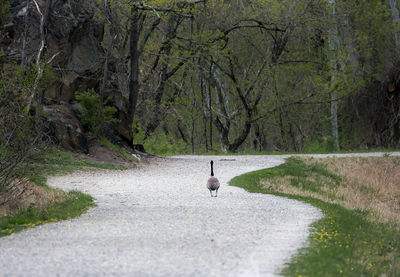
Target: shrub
[161,144]
[324,145]
[90,102]
[19,131]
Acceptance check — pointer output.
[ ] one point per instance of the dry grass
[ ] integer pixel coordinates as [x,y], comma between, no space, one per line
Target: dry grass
[371,184]
[26,194]
[282,184]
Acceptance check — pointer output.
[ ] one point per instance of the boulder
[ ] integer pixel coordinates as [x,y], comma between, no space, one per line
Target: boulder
[65,129]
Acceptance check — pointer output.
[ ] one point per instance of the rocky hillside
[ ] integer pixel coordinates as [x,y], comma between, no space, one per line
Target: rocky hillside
[74,46]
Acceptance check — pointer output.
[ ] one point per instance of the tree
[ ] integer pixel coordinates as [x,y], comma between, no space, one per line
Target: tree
[333,49]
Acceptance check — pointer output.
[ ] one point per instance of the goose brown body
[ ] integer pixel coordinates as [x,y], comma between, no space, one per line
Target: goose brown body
[213,183]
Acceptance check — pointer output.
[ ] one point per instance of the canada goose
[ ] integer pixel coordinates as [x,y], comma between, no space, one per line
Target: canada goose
[213,183]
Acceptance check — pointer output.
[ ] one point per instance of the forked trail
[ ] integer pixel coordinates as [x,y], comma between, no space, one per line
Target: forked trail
[159,220]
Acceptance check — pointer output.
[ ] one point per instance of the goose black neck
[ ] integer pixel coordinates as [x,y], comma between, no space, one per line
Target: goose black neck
[212,171]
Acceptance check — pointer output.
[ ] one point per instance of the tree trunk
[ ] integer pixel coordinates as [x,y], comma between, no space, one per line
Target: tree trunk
[223,125]
[103,86]
[210,112]
[134,77]
[395,15]
[204,103]
[164,76]
[25,34]
[233,147]
[333,48]
[351,48]
[105,67]
[40,92]
[39,74]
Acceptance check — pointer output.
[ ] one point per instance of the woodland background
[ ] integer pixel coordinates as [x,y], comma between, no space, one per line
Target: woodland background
[200,76]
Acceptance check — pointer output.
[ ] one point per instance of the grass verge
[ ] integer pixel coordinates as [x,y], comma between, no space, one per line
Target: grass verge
[385,152]
[53,162]
[43,204]
[73,205]
[346,241]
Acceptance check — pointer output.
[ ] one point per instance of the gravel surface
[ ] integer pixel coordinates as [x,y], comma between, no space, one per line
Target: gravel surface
[159,220]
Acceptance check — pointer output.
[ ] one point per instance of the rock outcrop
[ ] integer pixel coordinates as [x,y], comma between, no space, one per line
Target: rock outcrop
[75,39]
[65,129]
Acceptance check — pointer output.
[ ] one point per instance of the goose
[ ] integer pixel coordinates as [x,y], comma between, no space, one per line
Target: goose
[213,183]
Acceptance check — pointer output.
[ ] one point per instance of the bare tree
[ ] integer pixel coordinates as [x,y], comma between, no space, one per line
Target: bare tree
[19,133]
[39,66]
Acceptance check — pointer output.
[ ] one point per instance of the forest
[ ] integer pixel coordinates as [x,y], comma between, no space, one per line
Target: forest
[200,76]
[125,85]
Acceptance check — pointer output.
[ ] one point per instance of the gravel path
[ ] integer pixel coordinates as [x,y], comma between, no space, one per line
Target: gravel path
[159,220]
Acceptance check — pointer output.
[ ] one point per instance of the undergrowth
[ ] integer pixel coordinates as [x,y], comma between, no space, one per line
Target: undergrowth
[109,145]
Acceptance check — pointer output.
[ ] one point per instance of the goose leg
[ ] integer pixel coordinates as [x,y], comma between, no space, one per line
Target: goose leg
[211,193]
[216,192]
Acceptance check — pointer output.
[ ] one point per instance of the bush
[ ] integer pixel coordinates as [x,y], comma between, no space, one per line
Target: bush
[324,145]
[90,102]
[19,131]
[161,144]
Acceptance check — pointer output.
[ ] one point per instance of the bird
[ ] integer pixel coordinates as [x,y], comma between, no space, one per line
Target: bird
[213,183]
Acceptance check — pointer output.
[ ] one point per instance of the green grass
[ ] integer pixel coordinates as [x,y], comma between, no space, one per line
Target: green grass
[75,204]
[386,152]
[39,166]
[53,162]
[343,242]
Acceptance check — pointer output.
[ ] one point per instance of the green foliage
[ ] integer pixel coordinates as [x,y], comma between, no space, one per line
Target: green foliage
[276,49]
[4,10]
[324,145]
[90,102]
[275,52]
[159,143]
[343,242]
[162,144]
[138,132]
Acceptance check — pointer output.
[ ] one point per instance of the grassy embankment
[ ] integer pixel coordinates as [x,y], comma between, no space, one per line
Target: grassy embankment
[360,198]
[48,204]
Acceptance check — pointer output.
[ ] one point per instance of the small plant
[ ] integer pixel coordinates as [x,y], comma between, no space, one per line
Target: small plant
[90,102]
